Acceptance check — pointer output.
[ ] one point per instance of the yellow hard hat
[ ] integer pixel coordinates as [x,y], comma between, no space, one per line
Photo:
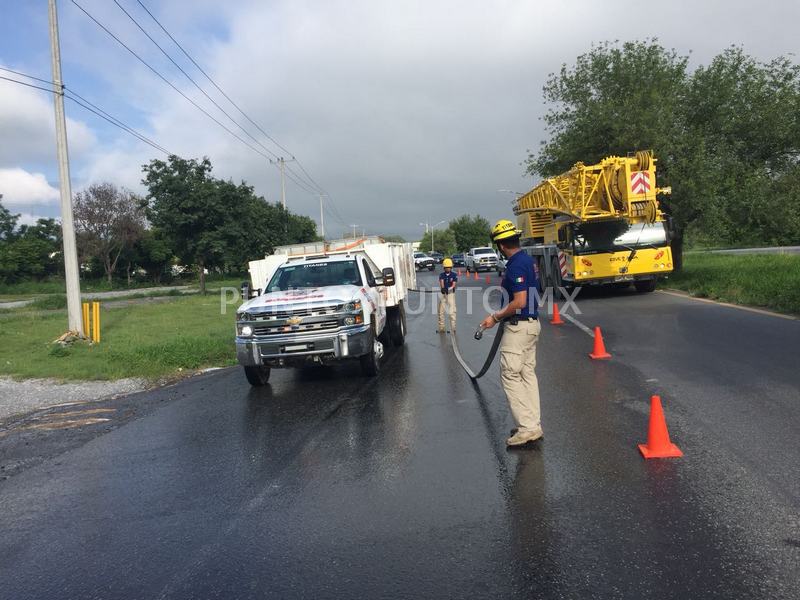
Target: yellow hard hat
[504,229]
[447,262]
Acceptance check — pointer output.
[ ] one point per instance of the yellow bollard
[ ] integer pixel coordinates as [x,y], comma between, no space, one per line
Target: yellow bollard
[86,319]
[96,322]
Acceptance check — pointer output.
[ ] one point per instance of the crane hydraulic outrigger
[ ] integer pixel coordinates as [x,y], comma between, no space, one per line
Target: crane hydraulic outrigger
[598,224]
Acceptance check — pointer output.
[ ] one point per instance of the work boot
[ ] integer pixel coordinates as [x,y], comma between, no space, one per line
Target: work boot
[521,438]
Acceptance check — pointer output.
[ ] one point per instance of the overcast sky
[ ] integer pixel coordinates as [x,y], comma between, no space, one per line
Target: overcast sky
[405,112]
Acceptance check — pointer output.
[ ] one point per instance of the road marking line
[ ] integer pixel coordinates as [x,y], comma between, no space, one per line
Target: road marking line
[760,311]
[580,325]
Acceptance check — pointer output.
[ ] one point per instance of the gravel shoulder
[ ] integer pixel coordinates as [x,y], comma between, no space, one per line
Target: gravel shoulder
[20,397]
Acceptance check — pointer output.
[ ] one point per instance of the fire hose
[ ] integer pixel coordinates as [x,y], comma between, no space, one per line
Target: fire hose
[453,337]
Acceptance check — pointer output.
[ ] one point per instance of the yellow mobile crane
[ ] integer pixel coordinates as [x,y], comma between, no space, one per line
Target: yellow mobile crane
[598,224]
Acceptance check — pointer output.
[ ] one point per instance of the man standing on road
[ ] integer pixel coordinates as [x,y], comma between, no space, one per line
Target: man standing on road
[518,347]
[447,285]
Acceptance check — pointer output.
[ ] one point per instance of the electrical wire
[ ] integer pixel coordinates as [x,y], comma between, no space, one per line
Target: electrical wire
[30,85]
[21,74]
[202,91]
[86,105]
[167,81]
[229,99]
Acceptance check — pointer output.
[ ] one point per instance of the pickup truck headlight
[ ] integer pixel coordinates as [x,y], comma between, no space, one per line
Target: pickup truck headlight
[246,331]
[353,306]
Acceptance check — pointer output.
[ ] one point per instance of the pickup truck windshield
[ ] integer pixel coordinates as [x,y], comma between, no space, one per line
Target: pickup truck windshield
[311,275]
[618,236]
[483,251]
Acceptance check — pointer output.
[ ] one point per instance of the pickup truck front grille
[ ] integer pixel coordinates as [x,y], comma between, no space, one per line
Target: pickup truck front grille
[265,330]
[282,315]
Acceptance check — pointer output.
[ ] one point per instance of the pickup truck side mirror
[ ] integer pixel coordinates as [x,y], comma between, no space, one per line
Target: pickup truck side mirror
[388,276]
[245,291]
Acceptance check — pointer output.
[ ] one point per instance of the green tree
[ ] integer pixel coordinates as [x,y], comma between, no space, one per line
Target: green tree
[32,251]
[108,221]
[216,224]
[8,222]
[470,232]
[444,241]
[183,202]
[726,135]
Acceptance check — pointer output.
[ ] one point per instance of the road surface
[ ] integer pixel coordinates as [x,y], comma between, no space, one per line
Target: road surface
[328,485]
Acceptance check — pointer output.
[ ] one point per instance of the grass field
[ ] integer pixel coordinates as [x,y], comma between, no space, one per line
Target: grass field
[148,340]
[29,289]
[765,280]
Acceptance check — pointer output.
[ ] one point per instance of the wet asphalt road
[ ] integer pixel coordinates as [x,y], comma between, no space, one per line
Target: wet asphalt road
[329,485]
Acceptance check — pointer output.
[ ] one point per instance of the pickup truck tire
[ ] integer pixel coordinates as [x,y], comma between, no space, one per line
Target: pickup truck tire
[431,268]
[370,362]
[645,286]
[397,326]
[257,376]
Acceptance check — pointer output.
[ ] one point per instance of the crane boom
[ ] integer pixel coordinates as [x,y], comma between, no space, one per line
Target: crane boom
[615,188]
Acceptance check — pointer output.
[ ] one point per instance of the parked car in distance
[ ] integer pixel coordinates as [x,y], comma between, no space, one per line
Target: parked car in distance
[458,260]
[437,256]
[423,261]
[481,259]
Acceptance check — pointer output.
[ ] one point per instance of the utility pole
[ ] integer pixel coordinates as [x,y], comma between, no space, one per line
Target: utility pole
[354,229]
[71,274]
[282,163]
[321,215]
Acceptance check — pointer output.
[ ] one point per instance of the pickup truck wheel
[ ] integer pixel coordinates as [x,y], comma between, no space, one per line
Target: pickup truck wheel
[645,286]
[397,327]
[371,361]
[257,376]
[431,268]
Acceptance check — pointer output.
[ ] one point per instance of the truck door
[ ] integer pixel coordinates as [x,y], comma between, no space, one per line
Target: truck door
[374,296]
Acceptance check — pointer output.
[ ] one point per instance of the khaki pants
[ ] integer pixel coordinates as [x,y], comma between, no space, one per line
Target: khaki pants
[450,301]
[517,373]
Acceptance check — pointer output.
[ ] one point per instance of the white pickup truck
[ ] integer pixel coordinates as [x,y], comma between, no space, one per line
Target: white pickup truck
[481,259]
[323,302]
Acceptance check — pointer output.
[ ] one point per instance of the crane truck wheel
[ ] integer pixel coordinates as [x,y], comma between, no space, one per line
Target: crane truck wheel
[371,361]
[397,326]
[645,286]
[257,376]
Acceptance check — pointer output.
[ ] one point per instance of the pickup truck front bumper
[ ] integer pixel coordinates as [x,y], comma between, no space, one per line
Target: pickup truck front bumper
[279,350]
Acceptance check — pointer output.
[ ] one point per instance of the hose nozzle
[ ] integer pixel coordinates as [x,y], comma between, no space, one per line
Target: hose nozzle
[479,332]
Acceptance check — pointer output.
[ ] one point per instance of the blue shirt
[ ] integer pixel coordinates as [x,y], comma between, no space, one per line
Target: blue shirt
[520,276]
[449,279]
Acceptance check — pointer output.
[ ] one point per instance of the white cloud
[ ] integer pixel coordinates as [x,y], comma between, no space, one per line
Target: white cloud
[403,111]
[19,187]
[27,123]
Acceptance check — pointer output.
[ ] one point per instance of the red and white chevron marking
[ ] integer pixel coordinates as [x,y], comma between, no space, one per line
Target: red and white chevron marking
[562,263]
[640,182]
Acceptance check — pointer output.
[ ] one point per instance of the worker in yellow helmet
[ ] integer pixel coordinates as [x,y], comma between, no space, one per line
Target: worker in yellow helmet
[447,286]
[518,348]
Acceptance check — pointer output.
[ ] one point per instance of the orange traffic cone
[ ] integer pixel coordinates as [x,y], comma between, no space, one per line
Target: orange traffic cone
[556,320]
[599,346]
[488,281]
[658,443]
[476,276]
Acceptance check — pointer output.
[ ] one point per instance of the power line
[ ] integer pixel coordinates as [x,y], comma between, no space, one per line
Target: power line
[30,85]
[214,83]
[229,99]
[86,105]
[202,91]
[21,74]
[167,81]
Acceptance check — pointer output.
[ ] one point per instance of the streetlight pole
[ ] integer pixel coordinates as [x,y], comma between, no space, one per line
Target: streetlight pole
[71,273]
